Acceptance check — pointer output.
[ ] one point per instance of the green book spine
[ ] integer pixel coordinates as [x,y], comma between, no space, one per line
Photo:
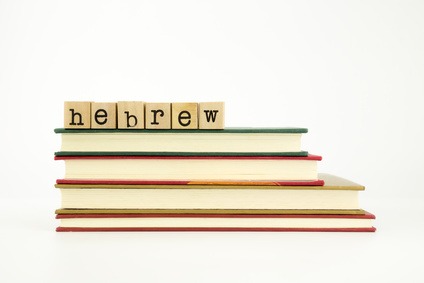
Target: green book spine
[226,130]
[137,153]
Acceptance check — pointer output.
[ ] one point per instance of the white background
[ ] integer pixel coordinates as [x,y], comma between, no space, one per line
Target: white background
[352,72]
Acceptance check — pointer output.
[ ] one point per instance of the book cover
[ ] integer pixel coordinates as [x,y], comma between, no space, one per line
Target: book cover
[189,183]
[181,153]
[229,130]
[253,157]
[331,181]
[209,211]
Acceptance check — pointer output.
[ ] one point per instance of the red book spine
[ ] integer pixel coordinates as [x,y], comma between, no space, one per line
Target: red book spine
[212,229]
[367,215]
[309,157]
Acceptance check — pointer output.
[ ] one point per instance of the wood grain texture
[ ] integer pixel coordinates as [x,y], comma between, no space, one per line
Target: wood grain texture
[77,115]
[157,115]
[211,115]
[103,115]
[185,115]
[130,115]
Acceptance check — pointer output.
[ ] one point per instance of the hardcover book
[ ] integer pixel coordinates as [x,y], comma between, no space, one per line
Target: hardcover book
[215,222]
[235,168]
[337,195]
[229,141]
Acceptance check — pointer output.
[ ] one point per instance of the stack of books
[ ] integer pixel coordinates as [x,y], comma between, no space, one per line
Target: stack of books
[232,179]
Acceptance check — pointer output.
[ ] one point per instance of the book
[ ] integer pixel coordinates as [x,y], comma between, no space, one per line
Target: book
[182,167]
[336,195]
[228,141]
[216,222]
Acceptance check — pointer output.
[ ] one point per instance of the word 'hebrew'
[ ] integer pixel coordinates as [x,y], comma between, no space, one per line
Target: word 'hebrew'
[143,115]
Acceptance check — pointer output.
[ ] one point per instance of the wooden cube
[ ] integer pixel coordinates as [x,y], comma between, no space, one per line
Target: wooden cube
[103,115]
[211,115]
[77,115]
[158,115]
[130,115]
[184,116]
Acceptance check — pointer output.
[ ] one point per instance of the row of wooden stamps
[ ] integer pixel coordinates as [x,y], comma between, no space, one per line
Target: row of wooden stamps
[143,115]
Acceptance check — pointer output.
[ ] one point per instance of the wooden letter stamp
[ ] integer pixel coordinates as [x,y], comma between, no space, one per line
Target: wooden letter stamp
[158,115]
[130,115]
[77,115]
[103,115]
[184,116]
[211,115]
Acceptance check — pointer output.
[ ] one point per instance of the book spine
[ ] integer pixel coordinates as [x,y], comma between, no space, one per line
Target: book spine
[311,157]
[212,229]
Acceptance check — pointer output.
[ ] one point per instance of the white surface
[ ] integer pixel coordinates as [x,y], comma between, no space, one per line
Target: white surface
[352,72]
[31,250]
